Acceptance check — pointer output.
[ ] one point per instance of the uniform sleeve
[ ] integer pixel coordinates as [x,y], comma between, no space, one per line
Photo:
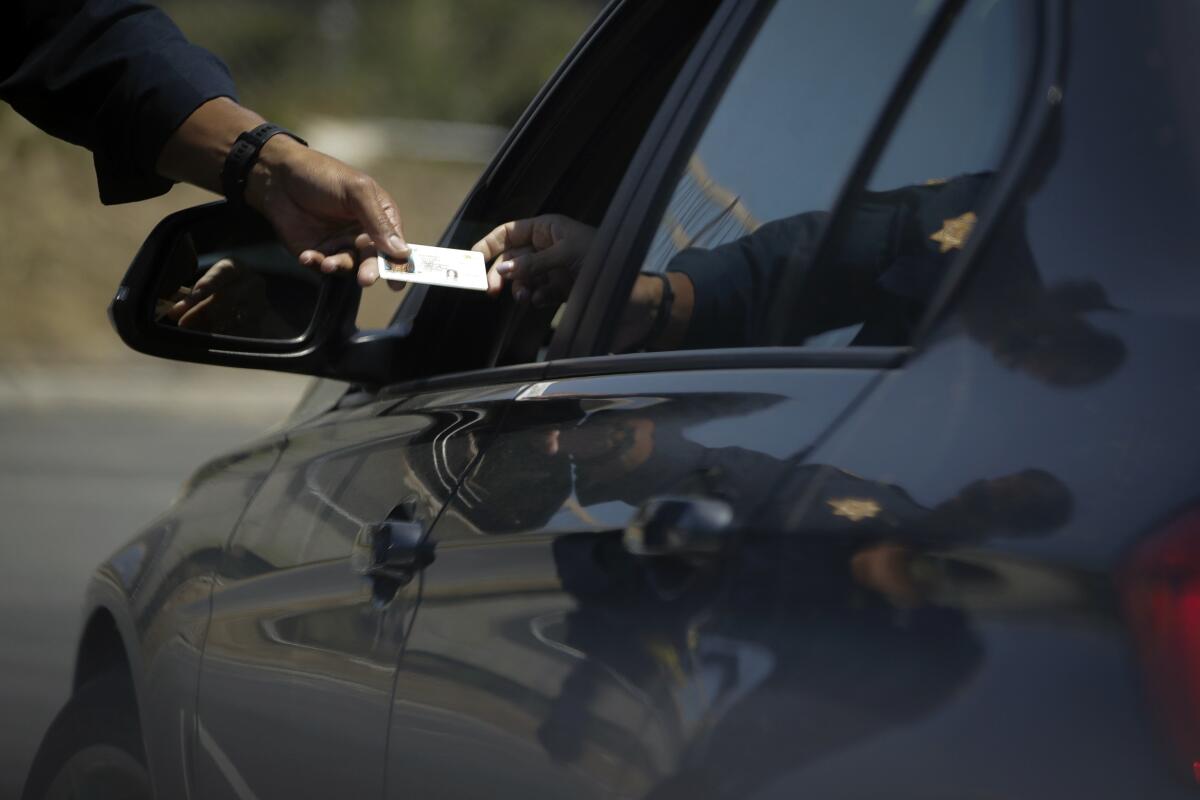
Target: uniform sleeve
[731,281]
[114,76]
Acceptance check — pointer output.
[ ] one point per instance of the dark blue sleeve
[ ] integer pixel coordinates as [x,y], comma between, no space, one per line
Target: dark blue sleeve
[886,249]
[731,281]
[114,76]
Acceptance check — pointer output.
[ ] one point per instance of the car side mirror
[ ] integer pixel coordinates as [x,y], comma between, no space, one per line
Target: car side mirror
[213,285]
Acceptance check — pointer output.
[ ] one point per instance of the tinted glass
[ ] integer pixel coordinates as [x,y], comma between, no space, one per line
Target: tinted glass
[1119,193]
[894,240]
[747,218]
[791,121]
[1072,349]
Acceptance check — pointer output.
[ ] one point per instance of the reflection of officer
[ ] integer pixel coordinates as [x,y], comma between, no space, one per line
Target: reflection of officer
[886,265]
[862,648]
[627,457]
[889,258]
[840,675]
[625,627]
[890,261]
[845,637]
[1031,502]
[565,450]
[856,645]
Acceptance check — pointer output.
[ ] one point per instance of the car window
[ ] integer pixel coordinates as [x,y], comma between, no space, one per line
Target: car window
[1101,236]
[569,159]
[744,228]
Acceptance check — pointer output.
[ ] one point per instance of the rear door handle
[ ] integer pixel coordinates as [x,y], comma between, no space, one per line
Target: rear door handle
[680,525]
[394,549]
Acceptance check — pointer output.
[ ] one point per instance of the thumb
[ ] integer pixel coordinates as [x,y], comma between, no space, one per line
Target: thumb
[376,211]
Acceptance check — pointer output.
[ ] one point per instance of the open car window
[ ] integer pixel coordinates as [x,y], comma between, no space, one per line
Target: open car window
[570,156]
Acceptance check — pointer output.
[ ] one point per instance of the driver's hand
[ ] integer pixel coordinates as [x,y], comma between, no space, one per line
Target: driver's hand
[540,257]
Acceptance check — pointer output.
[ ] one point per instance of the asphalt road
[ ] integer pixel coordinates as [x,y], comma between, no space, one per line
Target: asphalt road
[75,482]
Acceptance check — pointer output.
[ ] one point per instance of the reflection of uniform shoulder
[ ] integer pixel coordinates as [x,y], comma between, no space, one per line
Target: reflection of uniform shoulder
[839,500]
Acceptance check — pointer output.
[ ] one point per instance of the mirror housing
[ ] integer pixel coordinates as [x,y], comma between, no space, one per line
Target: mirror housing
[290,319]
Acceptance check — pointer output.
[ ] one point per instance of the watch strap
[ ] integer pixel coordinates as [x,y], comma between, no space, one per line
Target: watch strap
[662,315]
[242,156]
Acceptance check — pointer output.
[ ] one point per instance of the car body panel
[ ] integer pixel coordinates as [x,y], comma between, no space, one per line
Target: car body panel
[157,587]
[296,632]
[1005,660]
[558,663]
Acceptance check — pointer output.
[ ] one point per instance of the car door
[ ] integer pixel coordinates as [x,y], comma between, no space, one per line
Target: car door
[311,600]
[600,612]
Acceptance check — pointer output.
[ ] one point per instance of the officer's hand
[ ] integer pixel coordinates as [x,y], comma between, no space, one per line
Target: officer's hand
[539,256]
[332,216]
[329,214]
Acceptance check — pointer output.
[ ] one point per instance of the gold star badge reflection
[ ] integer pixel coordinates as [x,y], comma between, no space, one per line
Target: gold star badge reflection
[855,509]
[954,232]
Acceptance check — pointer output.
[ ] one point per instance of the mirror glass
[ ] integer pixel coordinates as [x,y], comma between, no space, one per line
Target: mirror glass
[232,278]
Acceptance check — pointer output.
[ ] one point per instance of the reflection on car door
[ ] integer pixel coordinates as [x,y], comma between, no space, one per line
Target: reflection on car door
[561,652]
[548,656]
[302,647]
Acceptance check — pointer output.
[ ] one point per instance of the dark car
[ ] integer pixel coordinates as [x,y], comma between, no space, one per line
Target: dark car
[904,506]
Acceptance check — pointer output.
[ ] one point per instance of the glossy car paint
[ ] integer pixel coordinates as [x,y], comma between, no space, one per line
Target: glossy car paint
[301,648]
[559,664]
[921,599]
[154,594]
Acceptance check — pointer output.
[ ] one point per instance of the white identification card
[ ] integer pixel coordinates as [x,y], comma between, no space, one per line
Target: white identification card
[441,266]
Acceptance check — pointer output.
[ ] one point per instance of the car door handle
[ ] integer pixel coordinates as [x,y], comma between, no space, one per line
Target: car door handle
[680,525]
[394,549]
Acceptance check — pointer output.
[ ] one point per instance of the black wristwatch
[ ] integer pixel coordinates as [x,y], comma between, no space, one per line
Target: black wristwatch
[662,316]
[241,159]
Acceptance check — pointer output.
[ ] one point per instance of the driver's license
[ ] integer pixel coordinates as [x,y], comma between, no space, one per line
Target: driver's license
[440,266]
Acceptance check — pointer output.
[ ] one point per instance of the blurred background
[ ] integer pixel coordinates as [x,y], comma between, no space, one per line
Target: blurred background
[417,92]
[96,439]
